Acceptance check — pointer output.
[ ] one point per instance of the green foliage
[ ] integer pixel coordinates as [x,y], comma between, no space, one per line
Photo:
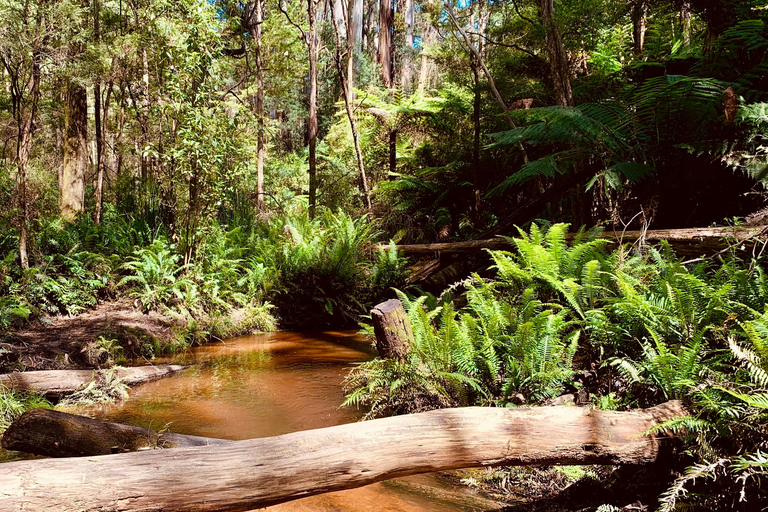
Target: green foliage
[155,273]
[13,404]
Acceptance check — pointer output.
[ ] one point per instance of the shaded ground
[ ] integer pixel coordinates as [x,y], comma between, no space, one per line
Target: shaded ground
[63,342]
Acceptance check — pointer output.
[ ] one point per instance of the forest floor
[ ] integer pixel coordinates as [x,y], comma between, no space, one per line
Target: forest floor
[62,342]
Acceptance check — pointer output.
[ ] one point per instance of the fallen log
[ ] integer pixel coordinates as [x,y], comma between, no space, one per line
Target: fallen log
[686,241]
[58,383]
[59,434]
[246,475]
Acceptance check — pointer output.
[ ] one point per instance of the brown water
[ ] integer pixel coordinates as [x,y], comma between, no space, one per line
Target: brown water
[272,384]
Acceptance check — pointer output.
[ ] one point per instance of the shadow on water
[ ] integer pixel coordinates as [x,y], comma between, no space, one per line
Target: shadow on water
[272,384]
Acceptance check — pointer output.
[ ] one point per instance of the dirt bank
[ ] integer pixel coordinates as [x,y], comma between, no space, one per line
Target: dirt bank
[64,342]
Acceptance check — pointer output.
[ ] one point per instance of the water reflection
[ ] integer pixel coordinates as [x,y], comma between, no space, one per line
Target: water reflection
[266,385]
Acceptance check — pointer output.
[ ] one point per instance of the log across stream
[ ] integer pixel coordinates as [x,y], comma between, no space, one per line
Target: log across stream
[269,385]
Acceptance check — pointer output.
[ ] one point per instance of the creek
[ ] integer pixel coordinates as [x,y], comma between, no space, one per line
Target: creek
[272,384]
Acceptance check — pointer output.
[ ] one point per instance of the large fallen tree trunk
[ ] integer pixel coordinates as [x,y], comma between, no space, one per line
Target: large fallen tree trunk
[246,475]
[686,241]
[58,434]
[58,383]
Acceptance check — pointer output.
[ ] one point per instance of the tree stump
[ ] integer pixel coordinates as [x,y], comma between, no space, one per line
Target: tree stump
[394,334]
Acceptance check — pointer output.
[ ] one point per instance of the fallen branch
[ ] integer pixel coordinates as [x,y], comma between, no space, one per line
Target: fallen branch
[58,383]
[247,475]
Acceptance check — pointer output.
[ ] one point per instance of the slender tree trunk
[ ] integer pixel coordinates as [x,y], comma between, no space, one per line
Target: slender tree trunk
[685,22]
[25,119]
[486,72]
[425,67]
[386,25]
[255,24]
[312,42]
[355,35]
[558,59]
[407,68]
[98,126]
[144,116]
[348,103]
[72,186]
[476,105]
[101,116]
[639,24]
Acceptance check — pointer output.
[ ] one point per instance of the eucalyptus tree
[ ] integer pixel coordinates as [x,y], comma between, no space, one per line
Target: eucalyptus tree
[33,41]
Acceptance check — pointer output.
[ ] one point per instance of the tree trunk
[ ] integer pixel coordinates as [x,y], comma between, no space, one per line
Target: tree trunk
[255,31]
[312,42]
[481,62]
[639,24]
[386,26]
[558,59]
[394,334]
[25,119]
[74,167]
[425,67]
[476,105]
[347,93]
[685,22]
[406,77]
[58,383]
[247,475]
[354,43]
[58,434]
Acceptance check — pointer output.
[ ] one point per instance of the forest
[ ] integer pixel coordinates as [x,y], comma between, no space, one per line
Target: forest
[178,173]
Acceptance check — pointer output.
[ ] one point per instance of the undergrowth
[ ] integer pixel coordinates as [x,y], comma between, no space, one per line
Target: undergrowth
[641,325]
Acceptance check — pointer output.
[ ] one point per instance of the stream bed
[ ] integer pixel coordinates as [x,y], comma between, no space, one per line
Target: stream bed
[272,384]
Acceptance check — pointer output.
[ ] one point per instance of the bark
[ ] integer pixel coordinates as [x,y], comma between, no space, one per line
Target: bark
[25,120]
[312,43]
[247,475]
[690,240]
[58,383]
[426,65]
[354,42]
[58,434]
[255,21]
[386,26]
[639,24]
[558,59]
[685,22]
[74,167]
[394,334]
[406,77]
[348,98]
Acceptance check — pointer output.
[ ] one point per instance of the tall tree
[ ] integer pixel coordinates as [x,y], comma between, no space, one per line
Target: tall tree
[386,29]
[75,163]
[311,39]
[558,58]
[347,93]
[406,75]
[253,21]
[355,34]
[23,47]
[639,24]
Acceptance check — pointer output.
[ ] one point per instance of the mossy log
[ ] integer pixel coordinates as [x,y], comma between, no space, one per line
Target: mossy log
[58,383]
[247,475]
[59,434]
